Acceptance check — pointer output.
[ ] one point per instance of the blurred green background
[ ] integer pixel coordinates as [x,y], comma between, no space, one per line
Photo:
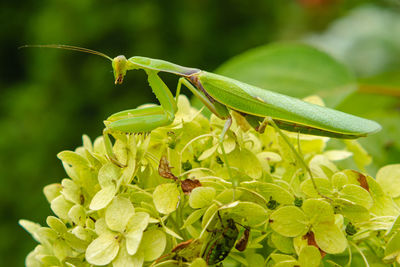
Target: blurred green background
[49,98]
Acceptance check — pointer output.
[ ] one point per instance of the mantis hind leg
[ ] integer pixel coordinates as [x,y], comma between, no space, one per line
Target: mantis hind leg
[234,181]
[297,155]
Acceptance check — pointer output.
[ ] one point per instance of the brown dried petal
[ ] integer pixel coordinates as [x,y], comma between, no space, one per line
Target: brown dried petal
[189,184]
[164,170]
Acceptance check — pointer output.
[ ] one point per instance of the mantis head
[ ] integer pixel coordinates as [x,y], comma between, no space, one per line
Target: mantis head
[119,65]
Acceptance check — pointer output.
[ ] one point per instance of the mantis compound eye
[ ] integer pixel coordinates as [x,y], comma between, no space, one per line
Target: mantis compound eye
[119,79]
[119,65]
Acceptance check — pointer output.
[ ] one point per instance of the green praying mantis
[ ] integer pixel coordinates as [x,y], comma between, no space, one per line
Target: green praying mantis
[221,95]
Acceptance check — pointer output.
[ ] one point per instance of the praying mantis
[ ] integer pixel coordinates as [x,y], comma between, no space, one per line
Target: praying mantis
[222,95]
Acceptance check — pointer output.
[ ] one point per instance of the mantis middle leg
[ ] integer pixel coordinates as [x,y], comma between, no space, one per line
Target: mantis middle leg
[220,111]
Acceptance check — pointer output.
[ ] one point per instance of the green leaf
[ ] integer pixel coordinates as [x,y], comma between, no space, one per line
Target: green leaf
[389,179]
[102,250]
[153,244]
[201,197]
[103,198]
[166,198]
[292,69]
[318,211]
[289,221]
[118,213]
[329,238]
[309,257]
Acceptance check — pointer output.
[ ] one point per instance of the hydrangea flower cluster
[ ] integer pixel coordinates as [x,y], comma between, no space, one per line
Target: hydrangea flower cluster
[163,207]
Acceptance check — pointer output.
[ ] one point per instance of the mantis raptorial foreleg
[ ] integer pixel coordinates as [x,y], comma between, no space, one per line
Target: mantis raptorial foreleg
[142,119]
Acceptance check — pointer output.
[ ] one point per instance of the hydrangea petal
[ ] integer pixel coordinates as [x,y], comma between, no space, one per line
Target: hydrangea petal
[102,250]
[166,198]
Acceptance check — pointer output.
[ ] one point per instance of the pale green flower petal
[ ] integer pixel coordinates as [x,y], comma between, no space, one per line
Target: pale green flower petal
[310,257]
[123,259]
[199,262]
[77,214]
[71,191]
[103,197]
[289,221]
[60,206]
[330,238]
[56,224]
[201,197]
[31,228]
[166,198]
[318,211]
[108,175]
[335,155]
[389,179]
[357,194]
[103,249]
[118,213]
[137,224]
[52,191]
[153,244]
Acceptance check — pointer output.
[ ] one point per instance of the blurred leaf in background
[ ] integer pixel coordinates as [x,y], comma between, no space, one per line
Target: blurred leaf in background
[49,98]
[368,41]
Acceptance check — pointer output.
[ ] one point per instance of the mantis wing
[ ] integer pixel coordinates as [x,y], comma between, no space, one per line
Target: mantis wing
[289,113]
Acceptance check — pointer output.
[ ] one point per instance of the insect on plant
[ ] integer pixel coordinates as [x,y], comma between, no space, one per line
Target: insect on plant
[222,240]
[221,95]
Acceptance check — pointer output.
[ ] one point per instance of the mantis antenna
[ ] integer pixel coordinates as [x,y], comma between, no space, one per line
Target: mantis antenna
[69,47]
